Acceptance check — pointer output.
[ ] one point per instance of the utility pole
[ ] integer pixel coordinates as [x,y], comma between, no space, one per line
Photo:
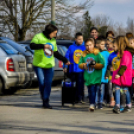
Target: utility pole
[53,12]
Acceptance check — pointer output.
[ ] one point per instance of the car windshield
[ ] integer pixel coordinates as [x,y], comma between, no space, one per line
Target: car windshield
[16,46]
[8,49]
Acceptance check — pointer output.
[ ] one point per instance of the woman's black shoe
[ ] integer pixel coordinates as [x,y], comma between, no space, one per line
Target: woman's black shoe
[46,104]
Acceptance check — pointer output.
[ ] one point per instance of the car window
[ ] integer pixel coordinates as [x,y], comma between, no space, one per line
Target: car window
[60,50]
[8,49]
[17,46]
[64,48]
[2,52]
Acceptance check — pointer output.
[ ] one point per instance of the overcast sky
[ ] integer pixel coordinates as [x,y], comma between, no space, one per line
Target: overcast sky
[118,10]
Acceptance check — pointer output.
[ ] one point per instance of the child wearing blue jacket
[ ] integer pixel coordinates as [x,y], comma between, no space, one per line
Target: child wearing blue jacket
[73,54]
[100,93]
[109,75]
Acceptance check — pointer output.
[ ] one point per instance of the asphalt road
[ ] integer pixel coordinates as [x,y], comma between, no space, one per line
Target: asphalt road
[22,113]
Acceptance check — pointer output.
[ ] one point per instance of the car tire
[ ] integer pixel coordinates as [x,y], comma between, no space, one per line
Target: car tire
[27,85]
[1,87]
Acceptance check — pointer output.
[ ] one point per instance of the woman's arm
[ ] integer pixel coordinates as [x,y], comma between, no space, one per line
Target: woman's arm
[60,57]
[67,56]
[34,46]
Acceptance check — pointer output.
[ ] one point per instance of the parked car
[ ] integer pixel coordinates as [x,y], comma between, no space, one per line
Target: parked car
[13,71]
[27,55]
[66,43]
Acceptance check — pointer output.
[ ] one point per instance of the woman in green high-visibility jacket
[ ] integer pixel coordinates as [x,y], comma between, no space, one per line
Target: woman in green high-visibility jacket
[45,48]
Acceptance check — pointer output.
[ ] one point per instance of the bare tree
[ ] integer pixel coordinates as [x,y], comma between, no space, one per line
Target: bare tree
[102,20]
[130,25]
[69,19]
[120,29]
[21,16]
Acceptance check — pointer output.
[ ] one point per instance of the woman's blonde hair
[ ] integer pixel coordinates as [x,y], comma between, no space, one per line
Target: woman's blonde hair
[122,43]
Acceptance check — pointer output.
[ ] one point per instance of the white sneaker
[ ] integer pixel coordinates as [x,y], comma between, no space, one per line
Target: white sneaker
[91,107]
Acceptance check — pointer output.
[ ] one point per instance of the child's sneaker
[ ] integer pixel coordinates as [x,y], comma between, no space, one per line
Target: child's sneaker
[122,110]
[116,109]
[100,106]
[91,108]
[96,106]
[127,109]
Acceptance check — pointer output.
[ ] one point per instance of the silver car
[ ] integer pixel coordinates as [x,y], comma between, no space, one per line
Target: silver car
[28,57]
[13,71]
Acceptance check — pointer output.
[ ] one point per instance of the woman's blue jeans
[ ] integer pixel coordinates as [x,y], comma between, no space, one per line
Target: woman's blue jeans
[45,77]
[117,95]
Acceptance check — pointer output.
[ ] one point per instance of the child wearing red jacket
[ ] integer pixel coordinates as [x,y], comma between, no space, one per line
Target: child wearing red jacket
[122,72]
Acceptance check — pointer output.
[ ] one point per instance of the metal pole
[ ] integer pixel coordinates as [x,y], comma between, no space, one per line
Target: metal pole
[53,12]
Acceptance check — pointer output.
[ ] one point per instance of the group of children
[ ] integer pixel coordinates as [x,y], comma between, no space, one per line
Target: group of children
[103,65]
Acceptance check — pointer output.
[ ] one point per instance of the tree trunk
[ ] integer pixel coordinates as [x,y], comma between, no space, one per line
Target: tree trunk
[22,34]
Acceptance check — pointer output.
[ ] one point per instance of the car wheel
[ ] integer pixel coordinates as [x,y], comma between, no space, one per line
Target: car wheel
[1,86]
[27,85]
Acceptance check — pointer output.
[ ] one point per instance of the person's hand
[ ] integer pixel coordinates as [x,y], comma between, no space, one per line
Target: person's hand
[92,66]
[85,66]
[111,69]
[106,78]
[117,76]
[68,63]
[65,70]
[47,46]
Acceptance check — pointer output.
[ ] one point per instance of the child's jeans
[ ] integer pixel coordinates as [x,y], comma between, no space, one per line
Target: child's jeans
[131,91]
[92,93]
[78,78]
[117,95]
[100,94]
[110,85]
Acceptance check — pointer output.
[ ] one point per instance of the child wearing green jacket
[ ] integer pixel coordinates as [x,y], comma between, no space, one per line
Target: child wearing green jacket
[92,62]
